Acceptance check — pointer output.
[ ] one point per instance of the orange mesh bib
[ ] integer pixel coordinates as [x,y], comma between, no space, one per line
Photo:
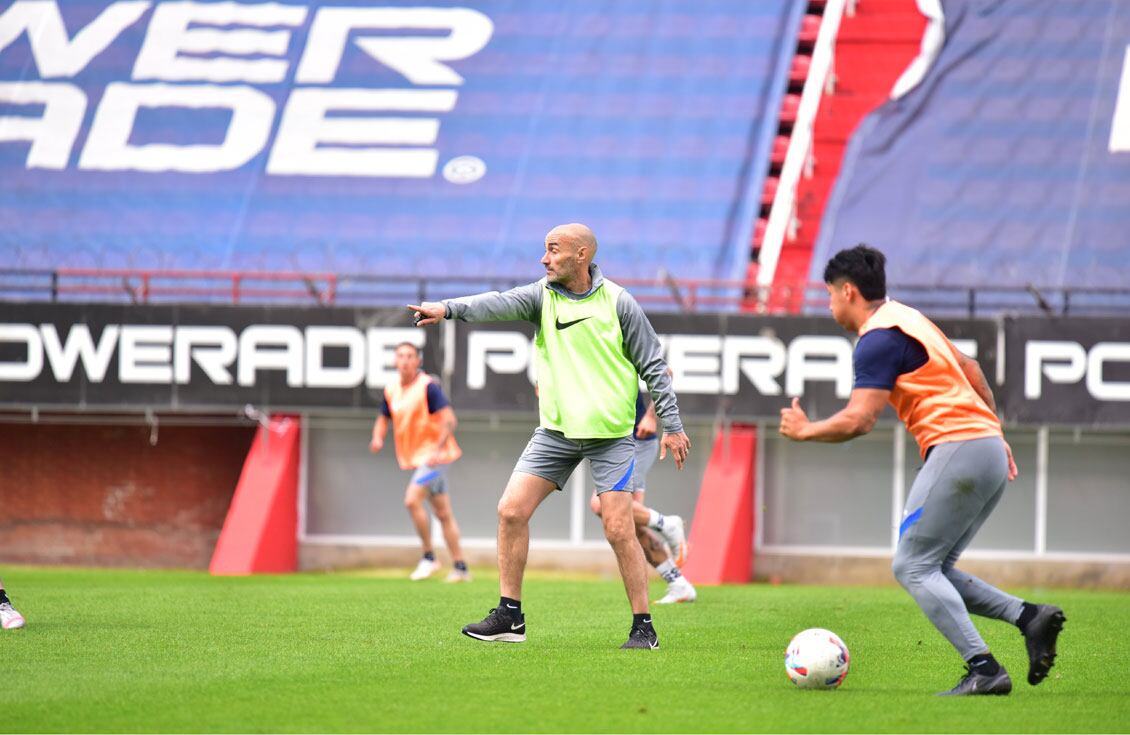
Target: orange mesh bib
[936,402]
[415,429]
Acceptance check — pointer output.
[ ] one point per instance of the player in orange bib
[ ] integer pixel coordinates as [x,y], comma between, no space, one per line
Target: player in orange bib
[423,424]
[944,400]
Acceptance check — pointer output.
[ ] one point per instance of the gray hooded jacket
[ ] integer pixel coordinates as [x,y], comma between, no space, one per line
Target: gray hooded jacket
[640,342]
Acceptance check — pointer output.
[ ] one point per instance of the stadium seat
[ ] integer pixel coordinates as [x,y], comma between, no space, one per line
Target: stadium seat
[789,108]
[780,149]
[769,192]
[798,71]
[809,30]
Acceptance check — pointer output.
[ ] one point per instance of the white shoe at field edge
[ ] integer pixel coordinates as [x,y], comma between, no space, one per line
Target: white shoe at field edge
[458,575]
[425,569]
[675,535]
[681,590]
[10,619]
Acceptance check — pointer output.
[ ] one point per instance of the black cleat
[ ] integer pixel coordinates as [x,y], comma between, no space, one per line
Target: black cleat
[498,627]
[642,637]
[977,683]
[1039,636]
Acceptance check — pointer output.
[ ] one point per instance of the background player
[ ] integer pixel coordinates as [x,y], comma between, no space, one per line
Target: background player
[423,425]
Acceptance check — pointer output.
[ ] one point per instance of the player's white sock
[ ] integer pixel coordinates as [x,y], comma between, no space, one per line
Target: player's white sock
[668,571]
[654,519]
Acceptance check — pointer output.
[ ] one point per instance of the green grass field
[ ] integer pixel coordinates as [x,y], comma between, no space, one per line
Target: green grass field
[182,652]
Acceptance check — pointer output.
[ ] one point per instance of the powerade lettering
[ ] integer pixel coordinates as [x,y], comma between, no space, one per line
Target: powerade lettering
[227,56]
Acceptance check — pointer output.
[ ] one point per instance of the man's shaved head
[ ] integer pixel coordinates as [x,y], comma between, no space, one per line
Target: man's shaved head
[576,236]
[569,251]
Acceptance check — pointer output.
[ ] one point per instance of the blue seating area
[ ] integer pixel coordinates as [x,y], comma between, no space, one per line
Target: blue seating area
[1002,167]
[650,122]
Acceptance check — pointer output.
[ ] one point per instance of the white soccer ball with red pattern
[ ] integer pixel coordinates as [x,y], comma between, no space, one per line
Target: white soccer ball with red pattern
[817,659]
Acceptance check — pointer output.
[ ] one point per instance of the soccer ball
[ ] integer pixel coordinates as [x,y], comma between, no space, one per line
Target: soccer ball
[817,659]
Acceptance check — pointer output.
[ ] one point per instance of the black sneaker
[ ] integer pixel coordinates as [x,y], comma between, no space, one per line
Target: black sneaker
[642,637]
[977,683]
[1039,636]
[499,627]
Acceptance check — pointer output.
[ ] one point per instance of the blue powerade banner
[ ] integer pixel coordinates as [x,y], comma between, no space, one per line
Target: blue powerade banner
[1009,163]
[397,137]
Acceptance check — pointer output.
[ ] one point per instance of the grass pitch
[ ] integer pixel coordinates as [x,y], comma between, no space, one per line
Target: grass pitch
[111,651]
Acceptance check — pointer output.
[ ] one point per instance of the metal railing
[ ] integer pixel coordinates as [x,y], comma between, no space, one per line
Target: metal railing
[666,292]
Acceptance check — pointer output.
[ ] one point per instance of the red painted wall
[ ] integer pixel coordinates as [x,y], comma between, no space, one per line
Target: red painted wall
[103,495]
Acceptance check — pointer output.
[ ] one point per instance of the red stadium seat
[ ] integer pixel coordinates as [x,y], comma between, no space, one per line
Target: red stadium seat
[809,30]
[798,72]
[789,108]
[759,231]
[780,148]
[769,192]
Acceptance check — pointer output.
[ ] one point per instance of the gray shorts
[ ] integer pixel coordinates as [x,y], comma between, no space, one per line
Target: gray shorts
[551,455]
[431,477]
[647,451]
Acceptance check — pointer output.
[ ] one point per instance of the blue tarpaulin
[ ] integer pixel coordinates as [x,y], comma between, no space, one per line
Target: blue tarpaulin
[390,138]
[1008,164]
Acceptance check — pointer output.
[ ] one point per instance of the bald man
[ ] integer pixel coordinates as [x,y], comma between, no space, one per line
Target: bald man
[593,343]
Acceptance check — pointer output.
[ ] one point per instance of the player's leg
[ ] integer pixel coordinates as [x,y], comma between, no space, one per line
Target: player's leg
[524,493]
[506,623]
[619,529]
[441,506]
[655,550]
[9,617]
[613,461]
[414,497]
[669,526]
[640,515]
[545,465]
[948,496]
[656,553]
[1039,624]
[616,514]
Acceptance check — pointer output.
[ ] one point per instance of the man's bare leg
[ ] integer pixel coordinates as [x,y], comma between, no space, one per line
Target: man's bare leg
[670,528]
[620,530]
[441,506]
[414,502]
[523,494]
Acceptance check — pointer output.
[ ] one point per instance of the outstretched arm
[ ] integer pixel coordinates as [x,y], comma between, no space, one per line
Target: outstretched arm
[858,417]
[518,304]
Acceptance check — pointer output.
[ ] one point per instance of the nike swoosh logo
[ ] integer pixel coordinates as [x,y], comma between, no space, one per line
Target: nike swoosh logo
[648,621]
[565,325]
[512,607]
[518,626]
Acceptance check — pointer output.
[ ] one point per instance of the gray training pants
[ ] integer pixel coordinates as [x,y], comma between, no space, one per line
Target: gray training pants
[954,493]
